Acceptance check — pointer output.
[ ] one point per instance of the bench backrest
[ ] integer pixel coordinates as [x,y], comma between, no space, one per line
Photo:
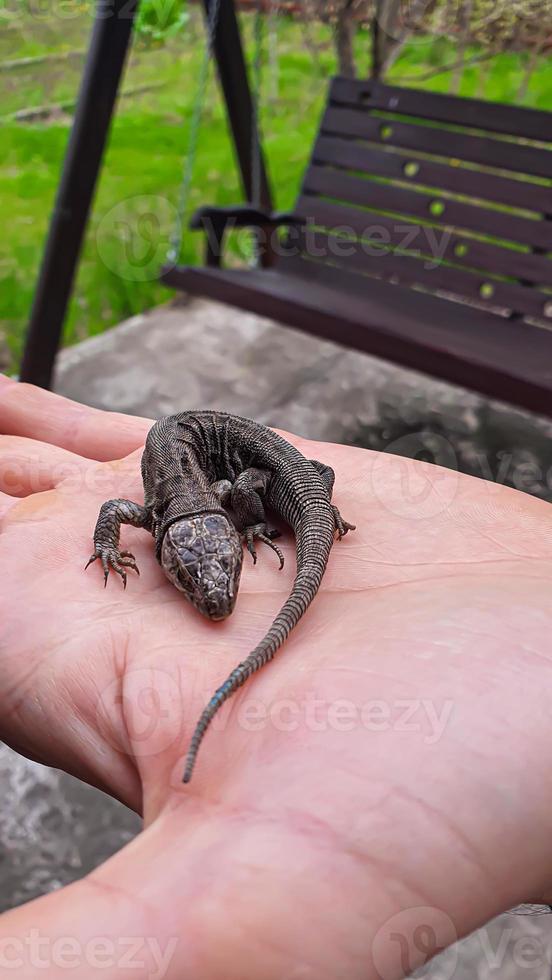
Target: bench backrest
[447,194]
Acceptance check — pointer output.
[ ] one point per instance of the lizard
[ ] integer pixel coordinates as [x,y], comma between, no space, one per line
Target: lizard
[207,477]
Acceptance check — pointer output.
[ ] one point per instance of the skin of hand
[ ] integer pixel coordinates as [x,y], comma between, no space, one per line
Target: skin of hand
[377,791]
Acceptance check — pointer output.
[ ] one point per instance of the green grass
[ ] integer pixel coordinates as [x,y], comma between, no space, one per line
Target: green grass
[134,207]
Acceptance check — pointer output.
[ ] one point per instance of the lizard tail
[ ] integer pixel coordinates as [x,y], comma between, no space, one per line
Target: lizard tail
[305,587]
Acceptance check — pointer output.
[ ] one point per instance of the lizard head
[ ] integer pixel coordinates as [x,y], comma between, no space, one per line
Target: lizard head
[202,556]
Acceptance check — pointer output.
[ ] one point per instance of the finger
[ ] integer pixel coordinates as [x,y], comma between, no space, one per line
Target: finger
[28,466]
[5,503]
[34,412]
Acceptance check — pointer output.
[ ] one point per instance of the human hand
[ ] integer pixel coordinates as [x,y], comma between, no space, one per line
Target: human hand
[387,772]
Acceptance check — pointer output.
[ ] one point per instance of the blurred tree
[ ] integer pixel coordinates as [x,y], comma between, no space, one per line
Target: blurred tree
[344,16]
[396,21]
[479,28]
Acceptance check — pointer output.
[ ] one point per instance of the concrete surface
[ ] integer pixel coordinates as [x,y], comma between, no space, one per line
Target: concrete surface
[53,829]
[199,354]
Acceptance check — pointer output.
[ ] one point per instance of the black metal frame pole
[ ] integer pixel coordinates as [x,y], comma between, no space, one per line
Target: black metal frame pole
[102,74]
[229,56]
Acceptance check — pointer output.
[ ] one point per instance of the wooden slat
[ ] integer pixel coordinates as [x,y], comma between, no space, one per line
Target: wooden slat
[355,123]
[473,183]
[500,358]
[331,252]
[403,234]
[496,117]
[408,201]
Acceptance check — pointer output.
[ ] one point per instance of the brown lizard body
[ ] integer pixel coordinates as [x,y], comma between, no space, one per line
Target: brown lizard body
[194,466]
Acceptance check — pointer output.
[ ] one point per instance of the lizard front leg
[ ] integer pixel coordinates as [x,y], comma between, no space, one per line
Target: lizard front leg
[107,532]
[328,478]
[248,508]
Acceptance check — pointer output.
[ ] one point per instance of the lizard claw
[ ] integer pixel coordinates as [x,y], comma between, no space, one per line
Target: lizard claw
[341,526]
[127,559]
[111,558]
[251,547]
[275,548]
[260,533]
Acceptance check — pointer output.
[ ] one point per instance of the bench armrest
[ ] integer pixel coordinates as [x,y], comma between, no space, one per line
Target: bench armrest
[214,221]
[242,216]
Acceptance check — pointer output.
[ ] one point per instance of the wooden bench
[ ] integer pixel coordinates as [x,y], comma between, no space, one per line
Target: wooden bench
[422,234]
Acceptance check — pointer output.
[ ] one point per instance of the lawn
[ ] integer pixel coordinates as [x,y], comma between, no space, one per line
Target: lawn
[134,209]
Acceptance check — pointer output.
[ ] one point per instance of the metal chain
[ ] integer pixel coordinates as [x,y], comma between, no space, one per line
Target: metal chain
[272,33]
[197,112]
[255,102]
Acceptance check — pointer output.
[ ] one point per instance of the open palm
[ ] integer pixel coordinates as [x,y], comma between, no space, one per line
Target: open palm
[365,798]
